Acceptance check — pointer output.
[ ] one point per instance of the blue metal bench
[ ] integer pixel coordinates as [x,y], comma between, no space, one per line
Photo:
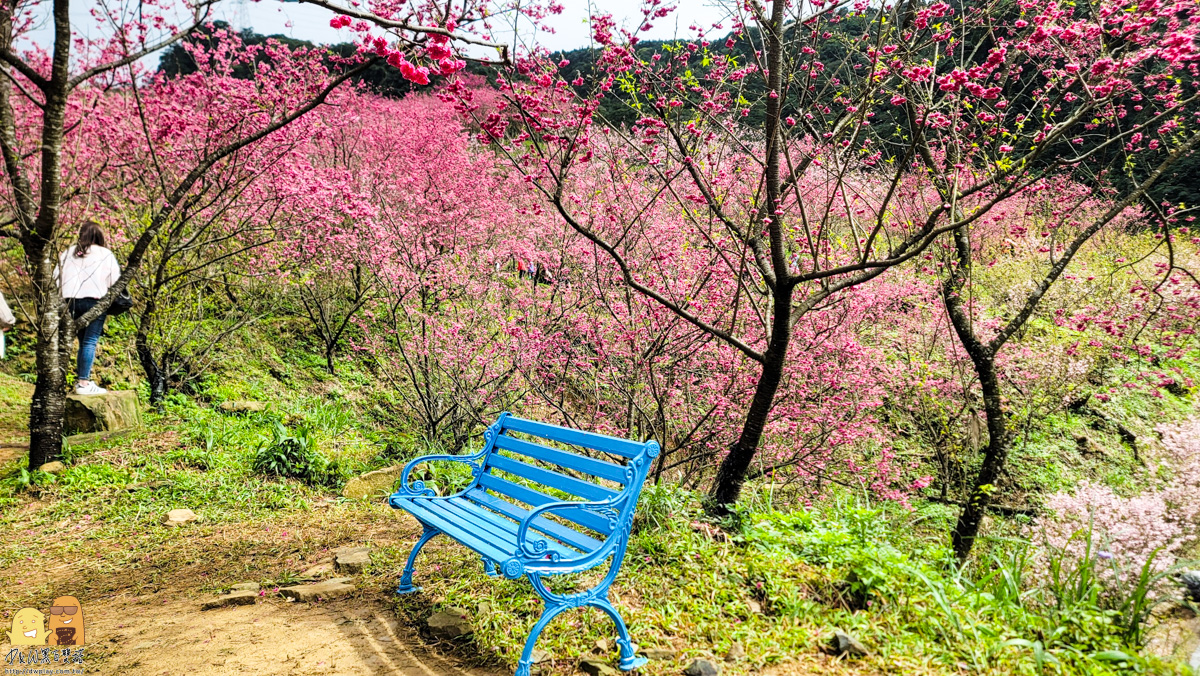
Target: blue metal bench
[517,483]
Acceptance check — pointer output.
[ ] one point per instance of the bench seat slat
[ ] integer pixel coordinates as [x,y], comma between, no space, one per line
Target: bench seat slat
[557,531]
[549,478]
[500,525]
[584,518]
[597,468]
[596,442]
[448,524]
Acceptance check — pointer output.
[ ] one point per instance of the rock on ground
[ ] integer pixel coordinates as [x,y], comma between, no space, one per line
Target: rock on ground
[702,667]
[243,406]
[371,484]
[1190,579]
[178,517]
[315,572]
[320,591]
[52,467]
[351,559]
[736,652]
[598,668]
[450,623]
[236,598]
[842,643]
[659,653]
[245,586]
[101,412]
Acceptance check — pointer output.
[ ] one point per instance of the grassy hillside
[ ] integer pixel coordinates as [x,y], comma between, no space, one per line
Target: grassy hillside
[763,592]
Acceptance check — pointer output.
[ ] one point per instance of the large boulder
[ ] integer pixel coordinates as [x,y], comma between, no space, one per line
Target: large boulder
[372,484]
[101,412]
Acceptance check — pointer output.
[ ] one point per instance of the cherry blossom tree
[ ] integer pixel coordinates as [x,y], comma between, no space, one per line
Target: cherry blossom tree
[45,94]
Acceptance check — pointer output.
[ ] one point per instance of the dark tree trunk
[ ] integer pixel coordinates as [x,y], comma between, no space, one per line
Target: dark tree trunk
[47,408]
[983,359]
[156,376]
[732,473]
[995,454]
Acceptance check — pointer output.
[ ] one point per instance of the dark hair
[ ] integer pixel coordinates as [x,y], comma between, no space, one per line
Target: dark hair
[89,234]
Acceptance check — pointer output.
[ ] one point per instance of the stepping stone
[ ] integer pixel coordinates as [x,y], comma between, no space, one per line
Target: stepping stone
[320,591]
[351,559]
[178,517]
[237,598]
[316,572]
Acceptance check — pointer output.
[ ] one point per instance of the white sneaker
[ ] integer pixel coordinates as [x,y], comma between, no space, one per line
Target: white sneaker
[88,387]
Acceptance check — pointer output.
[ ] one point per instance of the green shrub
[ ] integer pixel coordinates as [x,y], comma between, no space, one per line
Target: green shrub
[295,456]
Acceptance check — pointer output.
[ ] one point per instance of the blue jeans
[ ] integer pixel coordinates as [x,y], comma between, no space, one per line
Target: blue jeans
[89,337]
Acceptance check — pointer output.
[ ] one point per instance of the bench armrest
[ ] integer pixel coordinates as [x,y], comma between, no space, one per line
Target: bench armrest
[418,488]
[536,548]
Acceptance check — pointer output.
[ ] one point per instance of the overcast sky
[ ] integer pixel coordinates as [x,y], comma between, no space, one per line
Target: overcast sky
[308,22]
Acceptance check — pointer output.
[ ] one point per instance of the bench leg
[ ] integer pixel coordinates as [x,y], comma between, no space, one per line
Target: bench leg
[406,585]
[526,662]
[629,661]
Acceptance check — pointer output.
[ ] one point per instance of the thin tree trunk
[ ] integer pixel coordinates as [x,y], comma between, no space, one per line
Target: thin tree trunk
[727,485]
[983,359]
[732,473]
[995,454]
[156,376]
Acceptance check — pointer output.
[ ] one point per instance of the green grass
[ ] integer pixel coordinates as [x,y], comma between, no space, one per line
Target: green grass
[876,572]
[778,581]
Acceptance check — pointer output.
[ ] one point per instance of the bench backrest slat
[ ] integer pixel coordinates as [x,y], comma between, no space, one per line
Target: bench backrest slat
[579,463]
[596,442]
[584,518]
[562,482]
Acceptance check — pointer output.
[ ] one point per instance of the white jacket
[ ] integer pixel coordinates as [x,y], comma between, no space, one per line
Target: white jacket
[7,320]
[87,277]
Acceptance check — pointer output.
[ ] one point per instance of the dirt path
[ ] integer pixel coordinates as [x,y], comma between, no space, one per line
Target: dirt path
[346,637]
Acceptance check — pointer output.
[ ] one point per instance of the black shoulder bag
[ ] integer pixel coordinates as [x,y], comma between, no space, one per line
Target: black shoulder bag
[121,303]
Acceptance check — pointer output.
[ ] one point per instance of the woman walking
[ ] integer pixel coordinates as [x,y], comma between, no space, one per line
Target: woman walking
[7,321]
[86,270]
